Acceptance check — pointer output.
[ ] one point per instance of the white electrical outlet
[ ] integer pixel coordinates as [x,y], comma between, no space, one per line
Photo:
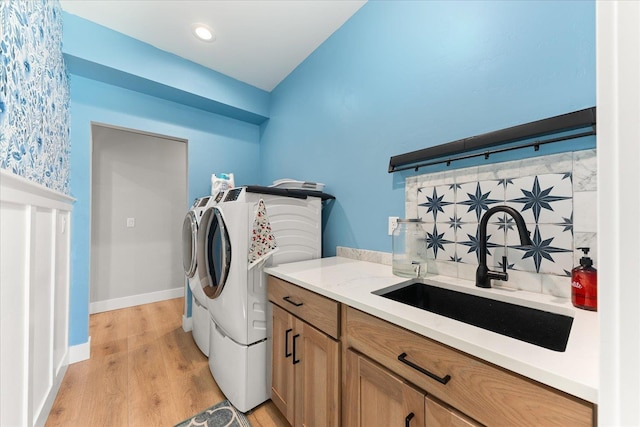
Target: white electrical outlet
[131,222]
[393,224]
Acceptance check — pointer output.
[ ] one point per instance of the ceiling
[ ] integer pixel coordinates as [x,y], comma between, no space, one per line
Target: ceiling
[258,42]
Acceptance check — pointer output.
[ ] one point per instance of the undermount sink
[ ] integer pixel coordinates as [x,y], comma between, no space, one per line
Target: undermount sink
[538,327]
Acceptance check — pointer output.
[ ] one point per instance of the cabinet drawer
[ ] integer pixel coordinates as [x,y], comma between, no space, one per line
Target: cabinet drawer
[318,311]
[440,415]
[486,393]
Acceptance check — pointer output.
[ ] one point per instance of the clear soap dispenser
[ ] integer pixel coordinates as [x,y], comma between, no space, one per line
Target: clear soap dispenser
[409,249]
[584,284]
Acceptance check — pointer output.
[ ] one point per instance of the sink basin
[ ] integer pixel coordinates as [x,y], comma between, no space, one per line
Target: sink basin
[538,327]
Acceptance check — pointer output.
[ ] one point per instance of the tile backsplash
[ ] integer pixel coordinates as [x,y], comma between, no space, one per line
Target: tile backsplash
[556,196]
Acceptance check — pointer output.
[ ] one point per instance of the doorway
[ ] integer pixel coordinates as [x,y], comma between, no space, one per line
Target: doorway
[138,199]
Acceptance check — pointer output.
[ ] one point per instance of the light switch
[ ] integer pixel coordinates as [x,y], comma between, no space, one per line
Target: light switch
[131,222]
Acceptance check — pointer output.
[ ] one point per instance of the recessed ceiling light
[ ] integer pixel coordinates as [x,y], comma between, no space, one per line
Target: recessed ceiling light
[203,32]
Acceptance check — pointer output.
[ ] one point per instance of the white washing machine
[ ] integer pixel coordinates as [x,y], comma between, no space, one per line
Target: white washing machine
[237,294]
[199,311]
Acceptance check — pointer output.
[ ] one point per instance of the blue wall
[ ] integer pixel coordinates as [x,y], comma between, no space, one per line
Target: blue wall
[120,81]
[397,77]
[99,53]
[216,144]
[401,76]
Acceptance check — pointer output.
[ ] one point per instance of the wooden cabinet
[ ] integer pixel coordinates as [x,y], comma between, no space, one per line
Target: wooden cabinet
[439,415]
[376,397]
[384,375]
[484,392]
[282,379]
[305,368]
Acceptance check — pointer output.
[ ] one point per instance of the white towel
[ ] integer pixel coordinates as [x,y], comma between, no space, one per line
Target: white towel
[263,242]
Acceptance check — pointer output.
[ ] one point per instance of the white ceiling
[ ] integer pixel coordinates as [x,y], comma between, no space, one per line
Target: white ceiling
[258,42]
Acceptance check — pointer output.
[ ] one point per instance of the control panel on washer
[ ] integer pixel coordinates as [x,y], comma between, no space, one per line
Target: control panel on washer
[233,194]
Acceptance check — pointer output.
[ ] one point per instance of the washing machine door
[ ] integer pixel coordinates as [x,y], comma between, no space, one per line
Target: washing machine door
[189,239]
[214,252]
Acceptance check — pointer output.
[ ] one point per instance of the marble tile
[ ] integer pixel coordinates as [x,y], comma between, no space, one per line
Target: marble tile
[544,189]
[444,268]
[467,271]
[585,211]
[497,171]
[466,175]
[412,194]
[585,176]
[437,178]
[547,164]
[559,286]
[521,280]
[364,255]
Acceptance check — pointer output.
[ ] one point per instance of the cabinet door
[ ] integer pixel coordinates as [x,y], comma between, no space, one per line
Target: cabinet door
[316,376]
[377,397]
[439,415]
[282,379]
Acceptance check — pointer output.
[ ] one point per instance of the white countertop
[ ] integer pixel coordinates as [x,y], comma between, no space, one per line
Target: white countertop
[574,371]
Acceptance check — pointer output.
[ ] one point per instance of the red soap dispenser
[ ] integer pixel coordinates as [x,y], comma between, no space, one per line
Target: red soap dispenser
[584,284]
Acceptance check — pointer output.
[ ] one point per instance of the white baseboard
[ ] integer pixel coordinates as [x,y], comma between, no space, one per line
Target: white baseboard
[130,301]
[187,323]
[51,397]
[80,352]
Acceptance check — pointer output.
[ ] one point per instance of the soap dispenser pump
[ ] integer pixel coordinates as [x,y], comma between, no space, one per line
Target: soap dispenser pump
[584,284]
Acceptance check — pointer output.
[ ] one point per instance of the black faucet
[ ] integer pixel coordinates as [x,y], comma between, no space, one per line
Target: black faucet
[483,274]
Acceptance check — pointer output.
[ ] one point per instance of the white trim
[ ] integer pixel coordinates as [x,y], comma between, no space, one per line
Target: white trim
[618,86]
[80,352]
[133,300]
[187,323]
[40,369]
[51,397]
[17,189]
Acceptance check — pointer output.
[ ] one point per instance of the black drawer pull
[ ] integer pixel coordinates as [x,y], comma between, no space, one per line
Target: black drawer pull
[443,380]
[286,343]
[287,299]
[408,419]
[295,362]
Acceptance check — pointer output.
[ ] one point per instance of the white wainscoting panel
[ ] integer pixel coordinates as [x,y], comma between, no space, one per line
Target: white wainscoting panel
[34,298]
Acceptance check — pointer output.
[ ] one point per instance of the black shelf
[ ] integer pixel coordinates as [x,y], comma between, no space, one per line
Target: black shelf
[552,125]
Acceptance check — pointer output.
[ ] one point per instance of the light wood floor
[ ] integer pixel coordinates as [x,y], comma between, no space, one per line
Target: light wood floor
[144,370]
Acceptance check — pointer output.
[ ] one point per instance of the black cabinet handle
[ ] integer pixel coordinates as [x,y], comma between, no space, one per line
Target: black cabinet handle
[295,362]
[403,359]
[287,299]
[408,419]
[286,343]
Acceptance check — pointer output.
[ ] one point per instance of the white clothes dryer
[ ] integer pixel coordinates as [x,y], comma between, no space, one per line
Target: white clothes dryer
[199,312]
[237,294]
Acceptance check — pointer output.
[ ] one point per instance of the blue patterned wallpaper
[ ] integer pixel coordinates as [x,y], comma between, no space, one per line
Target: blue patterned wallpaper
[34,93]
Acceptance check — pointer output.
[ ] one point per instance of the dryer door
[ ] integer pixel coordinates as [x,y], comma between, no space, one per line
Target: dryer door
[214,252]
[189,238]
